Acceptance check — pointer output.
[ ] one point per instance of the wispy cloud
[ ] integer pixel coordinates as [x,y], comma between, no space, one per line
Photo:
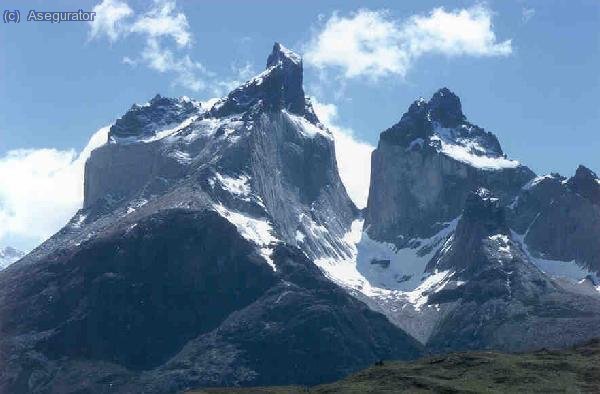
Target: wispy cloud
[110,19]
[188,73]
[40,189]
[353,156]
[167,39]
[372,44]
[239,74]
[163,20]
[527,14]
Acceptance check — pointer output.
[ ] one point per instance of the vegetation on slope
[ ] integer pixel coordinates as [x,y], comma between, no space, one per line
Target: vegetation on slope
[571,371]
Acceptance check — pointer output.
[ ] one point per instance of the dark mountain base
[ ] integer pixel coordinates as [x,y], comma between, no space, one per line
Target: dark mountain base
[575,370]
[181,300]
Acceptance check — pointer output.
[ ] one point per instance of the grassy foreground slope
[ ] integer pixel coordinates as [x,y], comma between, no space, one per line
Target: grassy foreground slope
[571,371]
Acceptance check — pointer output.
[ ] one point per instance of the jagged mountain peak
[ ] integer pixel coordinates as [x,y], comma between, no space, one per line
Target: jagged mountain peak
[279,87]
[439,125]
[445,108]
[584,172]
[430,160]
[257,150]
[156,98]
[482,237]
[284,55]
[585,182]
[142,121]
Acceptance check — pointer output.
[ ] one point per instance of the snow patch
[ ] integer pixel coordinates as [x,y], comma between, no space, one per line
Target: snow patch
[300,236]
[208,104]
[535,181]
[554,268]
[78,220]
[502,243]
[208,127]
[381,271]
[469,151]
[432,283]
[258,231]
[180,156]
[135,205]
[239,186]
[305,127]
[167,132]
[293,56]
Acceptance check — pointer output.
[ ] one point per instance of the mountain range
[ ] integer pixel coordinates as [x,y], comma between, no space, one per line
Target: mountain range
[217,246]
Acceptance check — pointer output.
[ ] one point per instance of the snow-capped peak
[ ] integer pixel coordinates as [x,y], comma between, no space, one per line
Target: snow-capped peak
[440,124]
[278,87]
[469,147]
[283,54]
[143,121]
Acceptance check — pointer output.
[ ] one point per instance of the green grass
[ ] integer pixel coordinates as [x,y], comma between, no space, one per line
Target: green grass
[567,371]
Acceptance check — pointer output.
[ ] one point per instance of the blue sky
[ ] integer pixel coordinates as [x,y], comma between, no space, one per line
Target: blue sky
[534,82]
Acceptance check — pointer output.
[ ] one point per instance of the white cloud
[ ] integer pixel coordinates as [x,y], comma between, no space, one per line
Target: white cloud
[159,25]
[370,43]
[239,74]
[167,38]
[34,182]
[164,21]
[352,155]
[365,43]
[460,32]
[188,73]
[109,19]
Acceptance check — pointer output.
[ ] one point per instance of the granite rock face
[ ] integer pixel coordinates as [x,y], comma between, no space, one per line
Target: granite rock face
[426,164]
[559,218]
[190,263]
[505,301]
[261,149]
[465,248]
[217,246]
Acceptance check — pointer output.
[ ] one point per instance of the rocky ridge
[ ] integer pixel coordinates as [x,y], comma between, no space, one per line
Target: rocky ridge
[190,263]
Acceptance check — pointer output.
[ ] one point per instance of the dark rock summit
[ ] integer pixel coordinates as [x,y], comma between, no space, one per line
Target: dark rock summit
[278,87]
[426,164]
[586,183]
[143,120]
[289,65]
[445,108]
